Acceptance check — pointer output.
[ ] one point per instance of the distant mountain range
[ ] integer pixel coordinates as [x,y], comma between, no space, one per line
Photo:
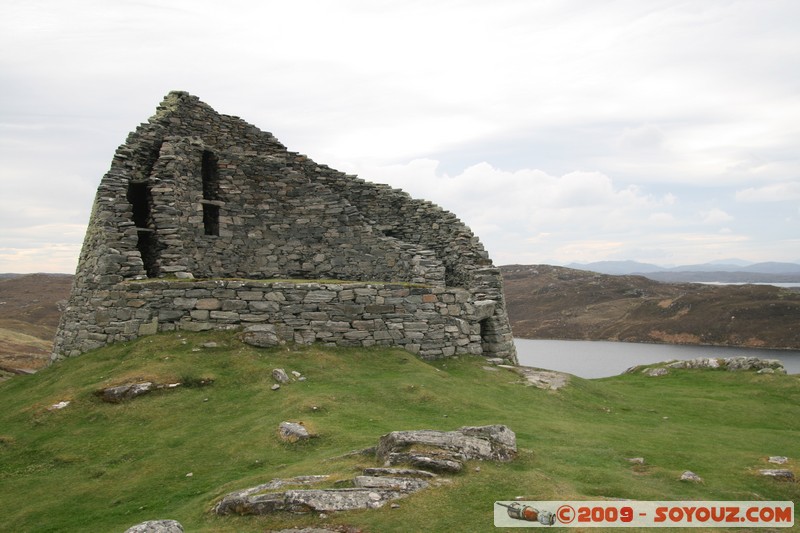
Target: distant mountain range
[727,271]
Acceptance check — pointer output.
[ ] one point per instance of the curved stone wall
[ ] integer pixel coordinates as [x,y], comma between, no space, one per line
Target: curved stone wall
[197,195]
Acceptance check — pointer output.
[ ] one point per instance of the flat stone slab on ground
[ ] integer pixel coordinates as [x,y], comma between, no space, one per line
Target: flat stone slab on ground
[157,526]
[401,472]
[125,392]
[443,463]
[329,529]
[259,500]
[401,484]
[311,530]
[495,442]
[780,474]
[541,379]
[329,500]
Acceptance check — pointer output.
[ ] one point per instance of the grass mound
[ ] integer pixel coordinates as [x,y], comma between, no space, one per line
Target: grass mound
[173,453]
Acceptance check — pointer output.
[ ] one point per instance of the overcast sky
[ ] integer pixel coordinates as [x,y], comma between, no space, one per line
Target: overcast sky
[559,130]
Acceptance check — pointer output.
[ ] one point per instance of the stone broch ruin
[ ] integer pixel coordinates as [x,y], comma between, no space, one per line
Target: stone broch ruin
[205,222]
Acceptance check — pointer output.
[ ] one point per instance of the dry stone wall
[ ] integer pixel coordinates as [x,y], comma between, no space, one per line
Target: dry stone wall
[433,322]
[196,195]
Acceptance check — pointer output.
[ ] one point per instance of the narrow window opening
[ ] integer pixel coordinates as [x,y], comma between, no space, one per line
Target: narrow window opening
[140,199]
[211,219]
[138,196]
[210,174]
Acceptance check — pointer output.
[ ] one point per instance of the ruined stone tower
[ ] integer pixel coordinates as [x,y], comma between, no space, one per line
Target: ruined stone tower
[205,222]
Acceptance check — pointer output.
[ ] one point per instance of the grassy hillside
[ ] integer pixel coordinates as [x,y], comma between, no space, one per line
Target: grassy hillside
[104,467]
[550,302]
[29,316]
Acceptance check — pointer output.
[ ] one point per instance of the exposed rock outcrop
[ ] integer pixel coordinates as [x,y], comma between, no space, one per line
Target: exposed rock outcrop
[732,364]
[379,485]
[264,499]
[125,392]
[497,443]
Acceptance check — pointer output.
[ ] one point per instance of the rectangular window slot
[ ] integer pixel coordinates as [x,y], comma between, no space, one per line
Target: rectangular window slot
[211,202]
[141,199]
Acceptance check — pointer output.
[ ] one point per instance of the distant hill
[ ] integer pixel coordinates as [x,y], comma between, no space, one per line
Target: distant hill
[726,271]
[29,315]
[617,267]
[551,302]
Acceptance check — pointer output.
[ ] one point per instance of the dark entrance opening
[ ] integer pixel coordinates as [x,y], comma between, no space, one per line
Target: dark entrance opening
[140,199]
[210,174]
[488,335]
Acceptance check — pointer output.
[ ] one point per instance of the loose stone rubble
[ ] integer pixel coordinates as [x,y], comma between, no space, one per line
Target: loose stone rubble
[205,222]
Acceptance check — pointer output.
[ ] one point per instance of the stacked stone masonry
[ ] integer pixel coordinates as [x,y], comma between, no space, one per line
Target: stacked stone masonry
[211,199]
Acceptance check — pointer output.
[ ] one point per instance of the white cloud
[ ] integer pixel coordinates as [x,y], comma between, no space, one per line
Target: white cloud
[529,213]
[648,137]
[715,216]
[777,192]
[661,219]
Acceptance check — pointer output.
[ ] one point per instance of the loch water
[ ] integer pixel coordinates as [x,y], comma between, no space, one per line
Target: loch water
[598,359]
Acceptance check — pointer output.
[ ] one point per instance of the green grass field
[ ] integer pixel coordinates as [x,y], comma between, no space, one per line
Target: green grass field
[105,467]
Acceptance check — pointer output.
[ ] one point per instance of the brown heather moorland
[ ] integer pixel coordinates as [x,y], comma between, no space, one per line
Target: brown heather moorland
[550,302]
